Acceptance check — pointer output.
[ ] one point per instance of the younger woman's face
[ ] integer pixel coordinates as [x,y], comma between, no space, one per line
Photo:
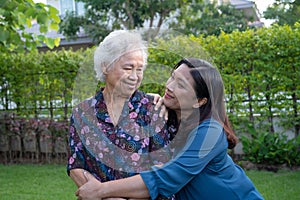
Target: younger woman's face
[179,94]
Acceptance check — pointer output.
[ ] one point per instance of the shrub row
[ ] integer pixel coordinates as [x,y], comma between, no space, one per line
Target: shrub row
[34,140]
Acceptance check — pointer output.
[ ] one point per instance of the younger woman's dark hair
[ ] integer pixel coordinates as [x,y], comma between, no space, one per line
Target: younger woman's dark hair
[209,85]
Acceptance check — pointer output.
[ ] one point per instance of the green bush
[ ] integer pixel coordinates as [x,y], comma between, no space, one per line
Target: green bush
[271,148]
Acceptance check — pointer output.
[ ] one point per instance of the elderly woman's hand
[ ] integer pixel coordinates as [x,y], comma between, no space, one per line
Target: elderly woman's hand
[93,189]
[90,189]
[159,104]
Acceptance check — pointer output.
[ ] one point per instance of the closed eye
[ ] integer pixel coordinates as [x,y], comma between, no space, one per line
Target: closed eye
[180,85]
[127,67]
[140,69]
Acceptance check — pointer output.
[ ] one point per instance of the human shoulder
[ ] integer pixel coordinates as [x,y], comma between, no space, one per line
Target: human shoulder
[85,104]
[209,135]
[89,103]
[141,103]
[207,126]
[140,96]
[210,123]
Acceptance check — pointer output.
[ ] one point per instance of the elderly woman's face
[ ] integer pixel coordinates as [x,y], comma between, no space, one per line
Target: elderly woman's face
[126,74]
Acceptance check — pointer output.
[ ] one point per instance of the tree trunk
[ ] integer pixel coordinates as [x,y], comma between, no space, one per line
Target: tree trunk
[270,113]
[296,115]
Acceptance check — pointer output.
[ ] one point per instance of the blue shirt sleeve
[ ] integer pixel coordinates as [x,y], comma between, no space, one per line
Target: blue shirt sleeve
[203,144]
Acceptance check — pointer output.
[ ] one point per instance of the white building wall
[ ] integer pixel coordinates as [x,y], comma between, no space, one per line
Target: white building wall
[55,4]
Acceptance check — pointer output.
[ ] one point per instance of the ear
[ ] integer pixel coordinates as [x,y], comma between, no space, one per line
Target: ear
[104,69]
[200,103]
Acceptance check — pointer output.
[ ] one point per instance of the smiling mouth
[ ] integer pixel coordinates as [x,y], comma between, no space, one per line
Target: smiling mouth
[168,96]
[131,85]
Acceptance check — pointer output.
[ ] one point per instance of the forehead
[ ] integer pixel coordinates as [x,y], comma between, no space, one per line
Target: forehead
[136,55]
[182,73]
[130,58]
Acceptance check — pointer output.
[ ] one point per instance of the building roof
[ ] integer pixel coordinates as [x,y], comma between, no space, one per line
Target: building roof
[241,4]
[250,10]
[82,39]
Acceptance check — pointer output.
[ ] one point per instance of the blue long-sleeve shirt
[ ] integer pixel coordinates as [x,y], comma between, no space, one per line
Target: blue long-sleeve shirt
[202,170]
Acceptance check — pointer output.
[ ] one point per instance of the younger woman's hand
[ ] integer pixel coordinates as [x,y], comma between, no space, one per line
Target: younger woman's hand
[159,104]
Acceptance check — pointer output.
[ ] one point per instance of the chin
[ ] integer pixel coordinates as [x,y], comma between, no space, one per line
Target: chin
[132,91]
[169,104]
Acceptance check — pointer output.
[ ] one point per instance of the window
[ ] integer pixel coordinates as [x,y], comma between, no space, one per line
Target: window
[71,6]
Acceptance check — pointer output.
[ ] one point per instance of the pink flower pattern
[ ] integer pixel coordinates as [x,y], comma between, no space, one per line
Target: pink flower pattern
[95,155]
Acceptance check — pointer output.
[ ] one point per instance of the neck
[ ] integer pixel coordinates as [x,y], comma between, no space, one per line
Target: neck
[113,98]
[114,104]
[182,115]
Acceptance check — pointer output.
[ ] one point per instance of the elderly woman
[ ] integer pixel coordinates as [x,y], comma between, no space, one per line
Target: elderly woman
[201,169]
[117,133]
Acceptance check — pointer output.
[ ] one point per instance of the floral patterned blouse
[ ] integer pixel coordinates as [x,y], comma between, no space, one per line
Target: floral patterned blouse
[139,140]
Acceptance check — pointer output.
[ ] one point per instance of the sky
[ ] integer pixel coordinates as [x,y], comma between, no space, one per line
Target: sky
[262,6]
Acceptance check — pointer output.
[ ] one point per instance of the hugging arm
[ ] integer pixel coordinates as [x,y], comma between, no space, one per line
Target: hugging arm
[78,177]
[132,187]
[170,178]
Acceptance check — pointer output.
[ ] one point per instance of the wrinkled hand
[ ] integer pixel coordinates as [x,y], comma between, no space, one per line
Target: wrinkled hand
[89,191]
[159,104]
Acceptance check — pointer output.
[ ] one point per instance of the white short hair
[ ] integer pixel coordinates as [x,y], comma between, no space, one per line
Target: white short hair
[114,46]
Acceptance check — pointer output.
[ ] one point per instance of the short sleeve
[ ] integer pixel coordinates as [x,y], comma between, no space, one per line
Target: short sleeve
[75,149]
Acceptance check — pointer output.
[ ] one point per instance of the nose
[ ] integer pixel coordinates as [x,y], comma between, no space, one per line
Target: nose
[170,86]
[133,75]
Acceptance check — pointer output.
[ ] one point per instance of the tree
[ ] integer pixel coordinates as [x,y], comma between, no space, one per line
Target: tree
[17,15]
[103,16]
[186,16]
[209,19]
[284,12]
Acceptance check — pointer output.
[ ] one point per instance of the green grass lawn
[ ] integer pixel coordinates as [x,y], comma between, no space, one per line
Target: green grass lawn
[283,185]
[35,182]
[50,182]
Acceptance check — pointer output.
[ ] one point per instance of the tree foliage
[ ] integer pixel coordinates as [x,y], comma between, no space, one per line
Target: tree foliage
[186,16]
[103,16]
[284,12]
[209,19]
[17,15]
